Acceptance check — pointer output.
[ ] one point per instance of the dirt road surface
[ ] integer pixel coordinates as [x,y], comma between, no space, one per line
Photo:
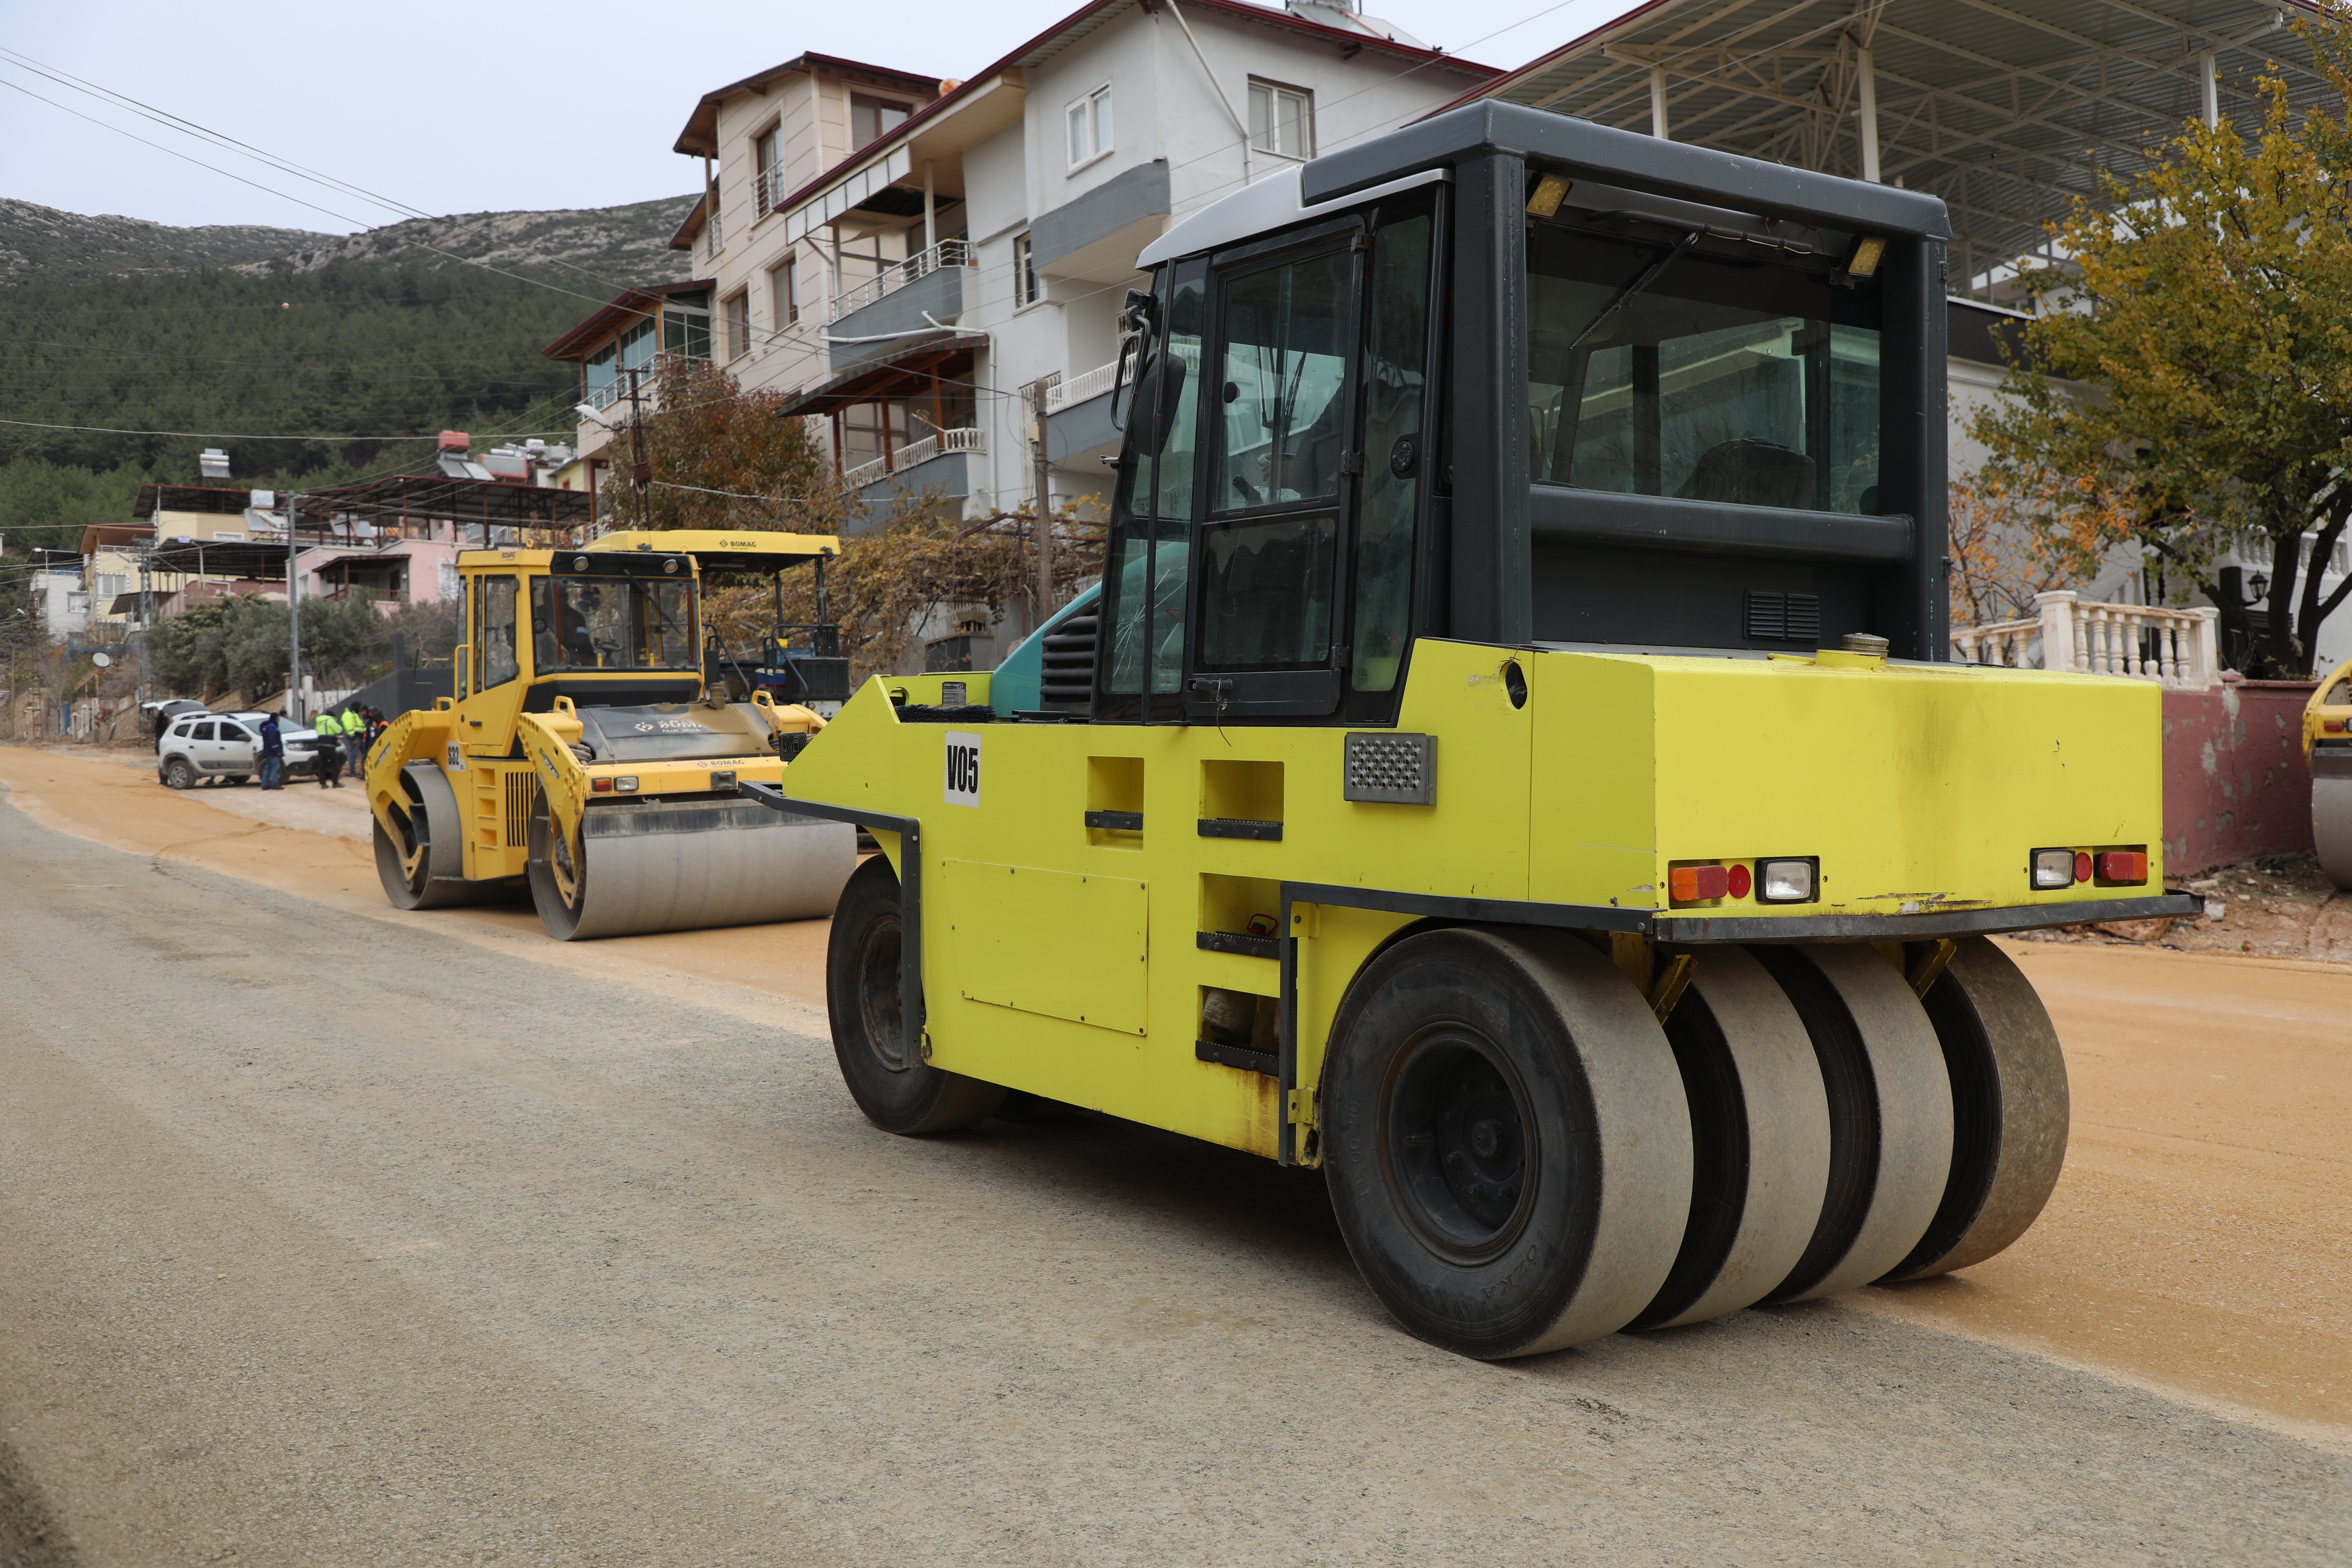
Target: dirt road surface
[333,1236]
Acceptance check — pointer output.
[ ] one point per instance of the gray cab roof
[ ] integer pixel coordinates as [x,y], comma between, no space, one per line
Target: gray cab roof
[1624,161]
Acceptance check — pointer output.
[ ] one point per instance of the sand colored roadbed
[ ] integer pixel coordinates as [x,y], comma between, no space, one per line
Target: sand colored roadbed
[2199,1243]
[314,844]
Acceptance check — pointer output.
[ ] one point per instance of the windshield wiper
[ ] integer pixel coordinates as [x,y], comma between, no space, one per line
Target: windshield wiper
[1631,291]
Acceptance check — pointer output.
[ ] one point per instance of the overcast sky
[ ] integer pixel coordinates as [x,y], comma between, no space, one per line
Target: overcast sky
[489,105]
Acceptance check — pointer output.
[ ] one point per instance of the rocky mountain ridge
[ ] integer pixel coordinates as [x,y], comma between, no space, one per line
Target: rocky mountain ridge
[597,247]
[44,244]
[623,245]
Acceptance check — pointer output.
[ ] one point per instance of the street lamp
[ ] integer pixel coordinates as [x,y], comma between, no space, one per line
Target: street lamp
[2260,583]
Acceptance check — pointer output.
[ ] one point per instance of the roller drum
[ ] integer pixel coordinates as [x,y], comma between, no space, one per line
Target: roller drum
[684,866]
[2331,814]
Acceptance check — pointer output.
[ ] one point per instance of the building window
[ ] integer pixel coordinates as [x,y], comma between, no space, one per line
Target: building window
[1025,274]
[769,170]
[870,117]
[786,282]
[1090,127]
[735,312]
[1282,120]
[686,326]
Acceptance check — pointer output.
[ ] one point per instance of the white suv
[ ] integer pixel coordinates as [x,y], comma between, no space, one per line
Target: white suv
[226,748]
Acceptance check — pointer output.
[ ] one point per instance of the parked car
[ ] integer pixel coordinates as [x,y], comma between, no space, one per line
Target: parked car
[224,747]
[158,716]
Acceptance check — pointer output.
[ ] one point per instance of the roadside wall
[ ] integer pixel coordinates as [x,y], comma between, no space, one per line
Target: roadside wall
[2235,783]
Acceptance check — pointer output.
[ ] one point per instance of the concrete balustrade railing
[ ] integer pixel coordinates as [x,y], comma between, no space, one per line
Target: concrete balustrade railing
[2180,650]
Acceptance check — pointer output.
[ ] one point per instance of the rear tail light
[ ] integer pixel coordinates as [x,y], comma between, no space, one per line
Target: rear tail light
[2120,866]
[600,786]
[1691,884]
[2054,868]
[1790,881]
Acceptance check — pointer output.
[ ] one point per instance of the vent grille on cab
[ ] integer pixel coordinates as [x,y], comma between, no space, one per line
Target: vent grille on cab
[1066,678]
[1784,617]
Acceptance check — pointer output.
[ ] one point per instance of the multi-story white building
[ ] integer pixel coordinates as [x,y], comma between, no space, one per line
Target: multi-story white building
[985,245]
[910,259]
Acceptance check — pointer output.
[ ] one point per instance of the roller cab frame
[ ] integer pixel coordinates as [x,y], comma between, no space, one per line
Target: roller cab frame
[584,708]
[1526,534]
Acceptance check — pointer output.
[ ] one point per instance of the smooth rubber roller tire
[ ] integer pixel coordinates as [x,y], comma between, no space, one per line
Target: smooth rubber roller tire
[898,1092]
[1890,1104]
[1760,1140]
[1505,1140]
[2009,1109]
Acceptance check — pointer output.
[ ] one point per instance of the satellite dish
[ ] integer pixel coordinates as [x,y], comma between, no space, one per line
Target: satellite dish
[103,660]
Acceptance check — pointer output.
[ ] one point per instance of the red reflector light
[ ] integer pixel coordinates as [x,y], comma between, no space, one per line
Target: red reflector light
[1738,881]
[2123,866]
[1689,884]
[2082,865]
[599,785]
[2333,726]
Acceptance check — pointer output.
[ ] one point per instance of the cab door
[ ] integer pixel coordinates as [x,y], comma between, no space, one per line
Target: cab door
[1282,466]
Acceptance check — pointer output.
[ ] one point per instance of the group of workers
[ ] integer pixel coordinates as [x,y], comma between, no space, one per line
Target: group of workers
[350,735]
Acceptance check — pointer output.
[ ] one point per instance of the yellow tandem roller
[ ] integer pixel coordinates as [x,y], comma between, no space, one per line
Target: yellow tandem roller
[586,762]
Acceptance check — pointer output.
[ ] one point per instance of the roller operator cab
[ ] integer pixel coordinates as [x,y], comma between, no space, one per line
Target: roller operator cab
[592,759]
[1520,774]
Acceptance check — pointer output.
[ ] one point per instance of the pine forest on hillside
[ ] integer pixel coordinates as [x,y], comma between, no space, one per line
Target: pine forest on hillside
[364,350]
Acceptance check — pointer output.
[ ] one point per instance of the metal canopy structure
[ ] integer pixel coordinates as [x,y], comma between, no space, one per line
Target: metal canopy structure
[398,498]
[2005,109]
[256,559]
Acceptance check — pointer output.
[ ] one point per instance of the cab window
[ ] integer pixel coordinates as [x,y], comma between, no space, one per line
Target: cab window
[611,623]
[1268,575]
[1151,510]
[494,630]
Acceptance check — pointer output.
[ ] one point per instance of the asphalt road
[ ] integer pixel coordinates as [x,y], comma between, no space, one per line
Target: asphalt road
[336,1239]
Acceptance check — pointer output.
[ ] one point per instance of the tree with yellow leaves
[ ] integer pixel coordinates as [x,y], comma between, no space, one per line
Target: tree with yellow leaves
[2190,390]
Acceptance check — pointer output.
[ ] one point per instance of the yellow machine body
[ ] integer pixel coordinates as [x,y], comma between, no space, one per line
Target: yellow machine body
[2328,750]
[535,742]
[1070,958]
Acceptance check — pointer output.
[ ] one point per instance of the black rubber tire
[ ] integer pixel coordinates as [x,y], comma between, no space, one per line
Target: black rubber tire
[898,1093]
[1505,1139]
[2009,1109]
[178,773]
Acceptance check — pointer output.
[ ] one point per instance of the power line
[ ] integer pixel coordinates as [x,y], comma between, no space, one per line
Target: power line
[243,435]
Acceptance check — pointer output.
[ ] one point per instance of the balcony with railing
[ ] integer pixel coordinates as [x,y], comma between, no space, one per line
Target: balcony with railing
[1071,391]
[2178,649]
[914,454]
[890,280]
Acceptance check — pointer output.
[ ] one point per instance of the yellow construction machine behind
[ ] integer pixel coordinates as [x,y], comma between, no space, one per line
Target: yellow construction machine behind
[1521,772]
[2328,748]
[586,760]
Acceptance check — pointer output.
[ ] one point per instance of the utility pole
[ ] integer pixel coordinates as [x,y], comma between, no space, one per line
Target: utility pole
[147,610]
[294,607]
[1044,502]
[640,474]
